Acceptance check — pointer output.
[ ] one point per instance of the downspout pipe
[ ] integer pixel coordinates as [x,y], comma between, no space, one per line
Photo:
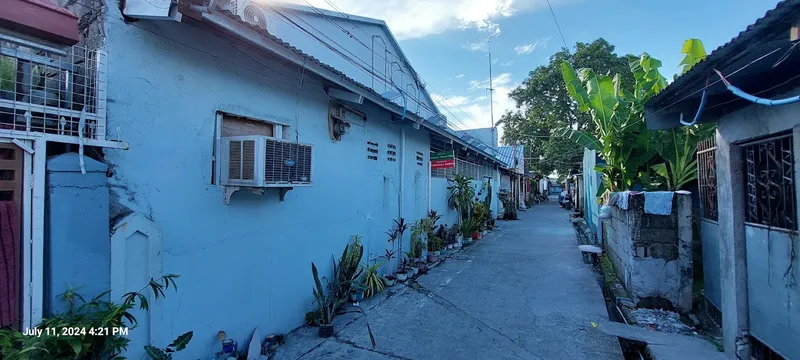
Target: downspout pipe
[402,184]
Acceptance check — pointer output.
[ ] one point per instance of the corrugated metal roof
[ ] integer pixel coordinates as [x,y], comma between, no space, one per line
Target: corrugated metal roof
[440,125]
[506,154]
[753,33]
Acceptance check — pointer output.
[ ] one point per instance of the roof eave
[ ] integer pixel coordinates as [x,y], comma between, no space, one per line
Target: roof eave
[226,23]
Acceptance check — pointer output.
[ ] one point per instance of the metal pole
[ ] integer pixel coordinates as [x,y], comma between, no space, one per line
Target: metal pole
[491,92]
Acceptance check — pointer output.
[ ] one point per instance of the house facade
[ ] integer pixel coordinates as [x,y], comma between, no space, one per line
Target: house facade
[747,181]
[233,144]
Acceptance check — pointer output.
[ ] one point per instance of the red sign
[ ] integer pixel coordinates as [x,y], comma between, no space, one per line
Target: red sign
[443,164]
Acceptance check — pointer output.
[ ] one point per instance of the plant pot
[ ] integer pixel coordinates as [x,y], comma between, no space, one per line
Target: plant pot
[450,246]
[389,281]
[357,296]
[402,276]
[414,271]
[432,258]
[437,253]
[325,330]
[457,246]
[483,233]
[476,235]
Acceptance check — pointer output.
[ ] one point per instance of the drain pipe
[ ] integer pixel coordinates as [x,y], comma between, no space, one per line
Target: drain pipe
[402,183]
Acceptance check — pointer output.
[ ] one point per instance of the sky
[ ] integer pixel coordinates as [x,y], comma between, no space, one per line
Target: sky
[445,40]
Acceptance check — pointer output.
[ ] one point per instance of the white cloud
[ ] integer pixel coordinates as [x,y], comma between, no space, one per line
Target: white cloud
[411,19]
[499,80]
[476,46]
[474,112]
[529,48]
[459,76]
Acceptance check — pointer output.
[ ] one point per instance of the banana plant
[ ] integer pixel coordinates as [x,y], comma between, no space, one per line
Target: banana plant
[634,155]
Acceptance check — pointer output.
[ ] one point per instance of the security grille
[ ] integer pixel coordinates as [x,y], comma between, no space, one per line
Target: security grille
[760,351]
[707,174]
[770,183]
[469,169]
[57,93]
[280,155]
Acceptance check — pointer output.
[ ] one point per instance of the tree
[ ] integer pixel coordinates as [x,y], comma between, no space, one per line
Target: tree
[635,156]
[545,107]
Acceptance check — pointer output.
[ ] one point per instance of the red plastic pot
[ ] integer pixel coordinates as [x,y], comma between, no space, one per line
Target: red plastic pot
[475,235]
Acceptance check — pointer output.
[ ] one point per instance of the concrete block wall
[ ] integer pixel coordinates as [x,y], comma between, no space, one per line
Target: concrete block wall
[652,254]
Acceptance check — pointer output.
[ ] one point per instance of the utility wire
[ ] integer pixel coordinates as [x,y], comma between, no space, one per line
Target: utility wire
[558,26]
[444,98]
[368,71]
[293,85]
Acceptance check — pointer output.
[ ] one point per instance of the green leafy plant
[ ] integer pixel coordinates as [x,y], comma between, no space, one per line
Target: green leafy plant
[509,208]
[453,233]
[324,299]
[93,314]
[8,74]
[166,353]
[349,269]
[417,242]
[460,195]
[634,156]
[372,280]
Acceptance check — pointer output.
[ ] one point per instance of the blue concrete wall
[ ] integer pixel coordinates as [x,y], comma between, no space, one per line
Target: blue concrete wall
[709,233]
[439,199]
[246,264]
[77,248]
[773,294]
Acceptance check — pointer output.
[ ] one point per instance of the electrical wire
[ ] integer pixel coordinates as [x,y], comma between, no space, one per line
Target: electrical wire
[558,26]
[271,77]
[662,109]
[379,56]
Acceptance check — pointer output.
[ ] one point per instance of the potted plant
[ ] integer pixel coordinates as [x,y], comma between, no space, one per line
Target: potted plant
[433,248]
[373,283]
[389,280]
[413,269]
[459,197]
[454,236]
[326,304]
[402,273]
[357,293]
[417,233]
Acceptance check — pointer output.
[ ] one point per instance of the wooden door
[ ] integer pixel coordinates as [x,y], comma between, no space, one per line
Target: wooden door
[11,173]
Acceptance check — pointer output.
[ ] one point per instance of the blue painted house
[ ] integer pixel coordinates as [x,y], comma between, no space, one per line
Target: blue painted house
[747,178]
[232,143]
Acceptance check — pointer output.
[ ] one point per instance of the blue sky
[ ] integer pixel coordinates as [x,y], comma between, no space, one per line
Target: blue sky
[445,39]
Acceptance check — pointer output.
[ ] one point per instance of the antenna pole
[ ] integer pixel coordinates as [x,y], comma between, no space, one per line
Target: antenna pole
[491,92]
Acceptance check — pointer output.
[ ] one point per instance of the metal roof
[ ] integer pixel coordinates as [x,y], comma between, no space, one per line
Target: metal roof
[748,60]
[438,126]
[506,154]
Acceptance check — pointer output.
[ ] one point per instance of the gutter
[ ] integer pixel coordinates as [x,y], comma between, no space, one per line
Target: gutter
[251,36]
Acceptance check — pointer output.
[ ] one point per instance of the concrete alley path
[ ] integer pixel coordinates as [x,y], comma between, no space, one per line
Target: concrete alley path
[523,292]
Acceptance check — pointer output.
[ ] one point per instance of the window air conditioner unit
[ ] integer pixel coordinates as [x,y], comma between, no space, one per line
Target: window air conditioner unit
[258,161]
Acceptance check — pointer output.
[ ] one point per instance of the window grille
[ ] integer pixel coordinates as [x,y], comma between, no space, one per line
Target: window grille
[761,351]
[468,169]
[707,177]
[770,198]
[44,92]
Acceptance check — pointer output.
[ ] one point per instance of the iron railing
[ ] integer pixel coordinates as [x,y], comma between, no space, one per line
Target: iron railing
[707,177]
[770,197]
